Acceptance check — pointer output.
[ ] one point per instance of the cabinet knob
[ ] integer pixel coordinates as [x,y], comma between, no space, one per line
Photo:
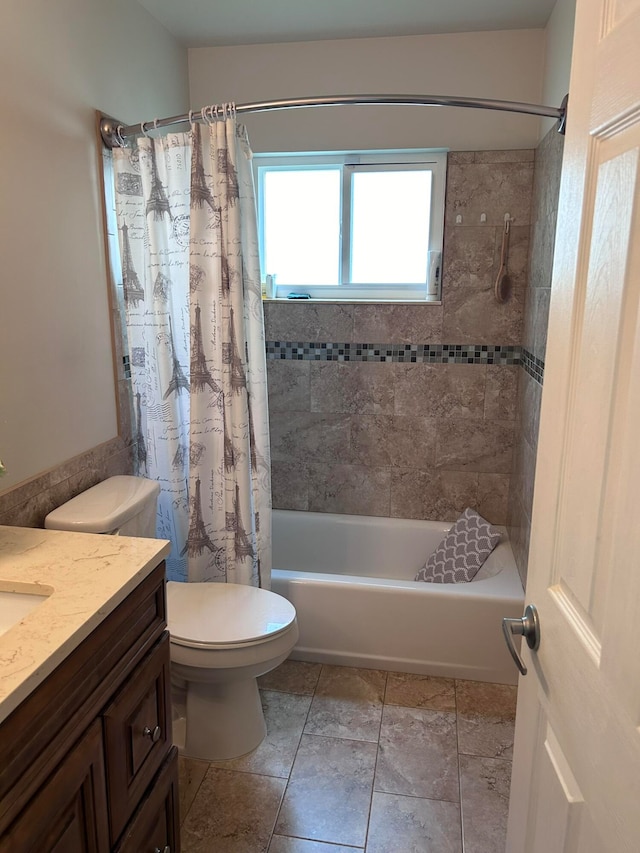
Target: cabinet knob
[166,849]
[154,734]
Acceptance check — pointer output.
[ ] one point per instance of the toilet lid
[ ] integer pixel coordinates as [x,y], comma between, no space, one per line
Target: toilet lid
[224,614]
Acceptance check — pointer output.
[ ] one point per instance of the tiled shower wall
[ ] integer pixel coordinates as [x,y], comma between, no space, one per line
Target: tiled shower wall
[544,214]
[413,432]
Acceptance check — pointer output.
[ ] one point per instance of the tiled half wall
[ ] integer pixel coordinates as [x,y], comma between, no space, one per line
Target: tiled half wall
[418,429]
[30,502]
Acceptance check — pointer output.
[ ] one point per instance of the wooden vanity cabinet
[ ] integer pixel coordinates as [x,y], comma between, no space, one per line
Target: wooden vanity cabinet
[86,762]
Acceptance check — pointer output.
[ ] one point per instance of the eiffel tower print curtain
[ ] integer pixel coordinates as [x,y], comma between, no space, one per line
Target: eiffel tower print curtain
[191,289]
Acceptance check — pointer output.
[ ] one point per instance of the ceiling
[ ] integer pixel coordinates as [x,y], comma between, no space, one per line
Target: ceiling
[200,23]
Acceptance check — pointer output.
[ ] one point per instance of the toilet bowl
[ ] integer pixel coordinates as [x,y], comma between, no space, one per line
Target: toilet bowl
[223,636]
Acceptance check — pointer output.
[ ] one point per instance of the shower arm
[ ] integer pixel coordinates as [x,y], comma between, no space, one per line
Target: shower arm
[114,134]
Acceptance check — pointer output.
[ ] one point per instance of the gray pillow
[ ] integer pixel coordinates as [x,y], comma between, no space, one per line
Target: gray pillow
[460,555]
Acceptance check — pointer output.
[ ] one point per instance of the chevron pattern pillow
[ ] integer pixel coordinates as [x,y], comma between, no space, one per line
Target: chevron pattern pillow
[460,555]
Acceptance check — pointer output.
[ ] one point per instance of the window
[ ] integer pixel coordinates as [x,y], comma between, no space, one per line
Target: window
[352,226]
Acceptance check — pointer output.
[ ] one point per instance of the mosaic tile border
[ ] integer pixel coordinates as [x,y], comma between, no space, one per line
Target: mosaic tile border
[532,365]
[407,353]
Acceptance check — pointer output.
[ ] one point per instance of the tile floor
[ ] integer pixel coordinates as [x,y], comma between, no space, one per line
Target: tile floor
[360,759]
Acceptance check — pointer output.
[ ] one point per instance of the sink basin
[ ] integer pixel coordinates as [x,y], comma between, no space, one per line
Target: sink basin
[17,602]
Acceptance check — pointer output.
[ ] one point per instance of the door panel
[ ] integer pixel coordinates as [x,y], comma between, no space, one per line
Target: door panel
[577,567]
[560,809]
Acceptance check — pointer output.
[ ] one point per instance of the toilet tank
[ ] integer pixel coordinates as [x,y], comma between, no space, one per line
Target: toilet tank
[121,505]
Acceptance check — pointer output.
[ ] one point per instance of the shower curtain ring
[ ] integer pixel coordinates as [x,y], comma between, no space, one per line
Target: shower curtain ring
[119,136]
[191,122]
[142,129]
[155,123]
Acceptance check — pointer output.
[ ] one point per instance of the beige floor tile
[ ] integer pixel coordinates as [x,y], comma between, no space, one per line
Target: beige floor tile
[413,825]
[285,715]
[292,676]
[329,791]
[281,844]
[486,718]
[484,784]
[232,813]
[190,775]
[232,807]
[417,756]
[347,703]
[420,691]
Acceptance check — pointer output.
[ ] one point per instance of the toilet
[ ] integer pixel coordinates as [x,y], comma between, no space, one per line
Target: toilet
[223,636]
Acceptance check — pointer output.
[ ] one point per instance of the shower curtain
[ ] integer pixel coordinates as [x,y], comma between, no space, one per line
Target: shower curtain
[191,289]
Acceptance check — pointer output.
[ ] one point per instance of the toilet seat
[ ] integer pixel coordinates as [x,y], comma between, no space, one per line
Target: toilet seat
[225,615]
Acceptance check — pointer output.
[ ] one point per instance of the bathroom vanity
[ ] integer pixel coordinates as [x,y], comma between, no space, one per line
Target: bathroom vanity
[86,758]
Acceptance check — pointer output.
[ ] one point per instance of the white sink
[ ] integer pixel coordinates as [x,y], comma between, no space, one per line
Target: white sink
[17,602]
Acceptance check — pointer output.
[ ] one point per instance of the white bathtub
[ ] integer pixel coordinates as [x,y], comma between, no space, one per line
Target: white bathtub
[350,579]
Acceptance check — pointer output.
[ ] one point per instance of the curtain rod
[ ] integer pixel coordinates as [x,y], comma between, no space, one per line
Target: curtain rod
[113,133]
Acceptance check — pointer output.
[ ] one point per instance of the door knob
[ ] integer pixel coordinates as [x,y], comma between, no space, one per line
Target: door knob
[527,627]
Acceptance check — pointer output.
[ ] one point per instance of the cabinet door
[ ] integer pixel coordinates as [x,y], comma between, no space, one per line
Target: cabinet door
[137,728]
[69,812]
[155,825]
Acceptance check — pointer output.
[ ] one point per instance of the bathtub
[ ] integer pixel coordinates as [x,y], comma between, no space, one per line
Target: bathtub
[350,579]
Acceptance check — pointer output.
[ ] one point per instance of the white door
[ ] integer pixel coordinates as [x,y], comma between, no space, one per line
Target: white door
[576,776]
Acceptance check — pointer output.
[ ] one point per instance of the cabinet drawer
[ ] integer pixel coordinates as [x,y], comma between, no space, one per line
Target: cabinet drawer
[137,730]
[69,812]
[156,825]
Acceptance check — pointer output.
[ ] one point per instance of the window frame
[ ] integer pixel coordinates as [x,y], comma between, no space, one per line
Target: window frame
[350,163]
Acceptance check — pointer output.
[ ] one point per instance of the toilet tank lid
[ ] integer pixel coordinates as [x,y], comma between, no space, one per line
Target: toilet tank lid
[104,507]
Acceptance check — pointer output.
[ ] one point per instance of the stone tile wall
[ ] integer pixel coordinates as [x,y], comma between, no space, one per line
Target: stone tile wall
[544,214]
[411,440]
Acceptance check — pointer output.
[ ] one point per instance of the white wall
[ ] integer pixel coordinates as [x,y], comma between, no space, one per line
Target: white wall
[558,48]
[59,62]
[501,65]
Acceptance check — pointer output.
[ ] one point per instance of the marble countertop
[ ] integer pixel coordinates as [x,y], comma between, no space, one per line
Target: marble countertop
[85,577]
